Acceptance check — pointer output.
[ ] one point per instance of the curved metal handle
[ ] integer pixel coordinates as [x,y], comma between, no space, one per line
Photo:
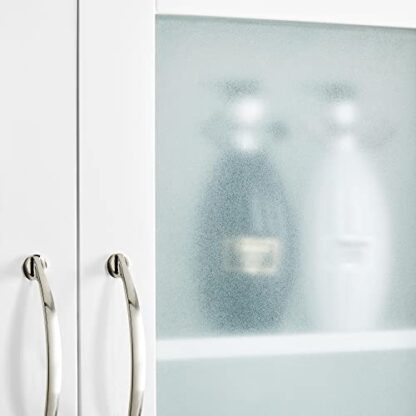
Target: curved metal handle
[117,266]
[34,269]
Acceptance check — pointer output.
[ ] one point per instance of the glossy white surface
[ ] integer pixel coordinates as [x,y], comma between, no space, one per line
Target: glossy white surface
[401,13]
[37,196]
[116,196]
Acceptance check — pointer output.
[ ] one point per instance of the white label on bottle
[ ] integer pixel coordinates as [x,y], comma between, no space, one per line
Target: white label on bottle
[256,256]
[352,251]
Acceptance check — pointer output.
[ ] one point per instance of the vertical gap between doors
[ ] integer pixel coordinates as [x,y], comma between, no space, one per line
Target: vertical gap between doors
[78,263]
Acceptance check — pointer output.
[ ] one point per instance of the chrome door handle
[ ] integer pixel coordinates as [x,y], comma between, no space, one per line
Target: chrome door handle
[34,269]
[117,266]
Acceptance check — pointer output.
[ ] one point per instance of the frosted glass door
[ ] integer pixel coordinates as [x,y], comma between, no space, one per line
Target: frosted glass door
[285,221]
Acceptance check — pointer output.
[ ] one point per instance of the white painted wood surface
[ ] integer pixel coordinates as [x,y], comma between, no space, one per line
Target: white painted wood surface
[116,195]
[37,196]
[401,13]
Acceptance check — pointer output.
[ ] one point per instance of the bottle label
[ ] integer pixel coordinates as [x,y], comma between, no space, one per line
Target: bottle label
[256,256]
[352,250]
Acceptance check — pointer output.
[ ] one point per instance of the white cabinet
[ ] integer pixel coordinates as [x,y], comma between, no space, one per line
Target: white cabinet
[254,161]
[37,196]
[116,196]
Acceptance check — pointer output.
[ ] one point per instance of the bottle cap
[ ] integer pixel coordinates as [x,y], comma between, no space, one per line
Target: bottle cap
[240,125]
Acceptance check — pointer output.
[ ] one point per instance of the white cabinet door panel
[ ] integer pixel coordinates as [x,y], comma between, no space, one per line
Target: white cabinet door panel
[37,196]
[116,195]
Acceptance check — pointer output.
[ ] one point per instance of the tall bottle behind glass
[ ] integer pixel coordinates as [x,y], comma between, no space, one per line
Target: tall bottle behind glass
[246,240]
[348,242]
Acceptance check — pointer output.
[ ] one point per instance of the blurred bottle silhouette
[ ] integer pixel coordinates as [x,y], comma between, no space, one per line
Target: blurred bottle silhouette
[246,239]
[347,237]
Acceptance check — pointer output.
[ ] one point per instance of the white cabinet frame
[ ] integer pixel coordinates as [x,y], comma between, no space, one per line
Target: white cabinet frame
[117,163]
[116,195]
[38,196]
[401,13]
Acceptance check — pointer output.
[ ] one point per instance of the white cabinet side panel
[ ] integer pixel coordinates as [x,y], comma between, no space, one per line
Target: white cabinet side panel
[116,195]
[37,196]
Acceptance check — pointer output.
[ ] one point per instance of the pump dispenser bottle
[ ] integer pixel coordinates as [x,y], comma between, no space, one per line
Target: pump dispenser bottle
[246,240]
[347,240]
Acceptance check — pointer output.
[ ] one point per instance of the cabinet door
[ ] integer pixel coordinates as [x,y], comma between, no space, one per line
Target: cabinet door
[268,218]
[116,196]
[37,197]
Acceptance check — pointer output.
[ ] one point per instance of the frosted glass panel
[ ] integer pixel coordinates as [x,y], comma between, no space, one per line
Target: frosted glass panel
[286,227]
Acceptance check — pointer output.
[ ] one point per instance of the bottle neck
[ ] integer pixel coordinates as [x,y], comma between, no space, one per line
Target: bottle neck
[345,141]
[246,140]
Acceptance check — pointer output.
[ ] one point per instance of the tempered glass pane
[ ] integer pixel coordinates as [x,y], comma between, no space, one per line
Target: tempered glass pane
[285,159]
